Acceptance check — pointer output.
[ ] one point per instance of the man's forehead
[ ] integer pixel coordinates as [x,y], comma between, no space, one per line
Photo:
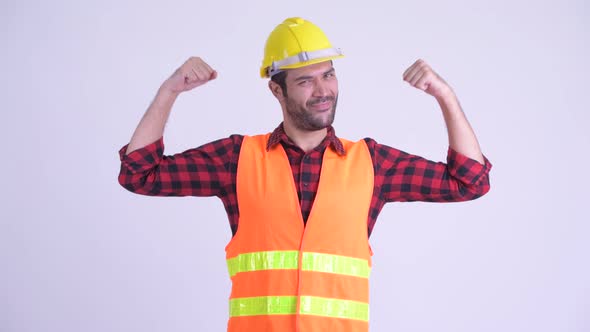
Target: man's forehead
[311,70]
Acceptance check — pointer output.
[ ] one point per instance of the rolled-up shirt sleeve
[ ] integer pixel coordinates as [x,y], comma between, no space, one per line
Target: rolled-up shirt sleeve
[403,177]
[202,171]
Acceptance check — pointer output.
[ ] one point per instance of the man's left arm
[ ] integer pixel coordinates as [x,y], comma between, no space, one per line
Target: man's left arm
[462,139]
[403,177]
[400,176]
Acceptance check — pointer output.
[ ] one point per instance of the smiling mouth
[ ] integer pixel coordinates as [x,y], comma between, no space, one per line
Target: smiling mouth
[322,104]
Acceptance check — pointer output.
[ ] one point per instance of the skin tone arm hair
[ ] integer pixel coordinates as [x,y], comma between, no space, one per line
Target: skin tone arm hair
[196,72]
[193,73]
[461,136]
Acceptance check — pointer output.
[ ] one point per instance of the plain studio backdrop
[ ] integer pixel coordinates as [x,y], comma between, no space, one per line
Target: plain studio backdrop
[80,253]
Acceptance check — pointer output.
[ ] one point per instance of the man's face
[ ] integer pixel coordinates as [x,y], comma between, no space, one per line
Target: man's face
[312,95]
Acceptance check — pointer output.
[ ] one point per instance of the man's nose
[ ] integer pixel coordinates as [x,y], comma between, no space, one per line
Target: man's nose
[320,88]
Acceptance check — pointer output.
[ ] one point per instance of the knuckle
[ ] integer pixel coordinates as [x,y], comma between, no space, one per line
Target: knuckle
[192,61]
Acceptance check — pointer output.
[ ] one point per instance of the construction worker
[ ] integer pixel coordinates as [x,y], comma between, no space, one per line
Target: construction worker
[301,201]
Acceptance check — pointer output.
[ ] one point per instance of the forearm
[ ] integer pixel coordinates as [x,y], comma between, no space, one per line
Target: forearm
[151,126]
[461,136]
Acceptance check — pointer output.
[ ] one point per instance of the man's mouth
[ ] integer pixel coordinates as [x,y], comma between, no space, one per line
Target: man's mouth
[321,103]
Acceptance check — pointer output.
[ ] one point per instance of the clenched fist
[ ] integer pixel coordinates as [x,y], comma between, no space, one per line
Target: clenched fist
[193,73]
[422,77]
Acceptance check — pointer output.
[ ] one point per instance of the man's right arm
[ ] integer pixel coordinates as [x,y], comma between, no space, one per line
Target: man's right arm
[193,73]
[208,170]
[204,171]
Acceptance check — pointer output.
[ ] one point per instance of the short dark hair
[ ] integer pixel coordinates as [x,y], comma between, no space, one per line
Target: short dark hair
[280,79]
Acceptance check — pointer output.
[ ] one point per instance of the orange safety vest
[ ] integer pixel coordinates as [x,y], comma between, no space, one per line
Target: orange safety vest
[290,277]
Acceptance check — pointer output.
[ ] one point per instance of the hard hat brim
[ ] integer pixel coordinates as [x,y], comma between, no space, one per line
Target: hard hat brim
[264,71]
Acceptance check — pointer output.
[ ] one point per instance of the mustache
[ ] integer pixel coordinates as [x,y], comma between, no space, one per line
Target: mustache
[315,101]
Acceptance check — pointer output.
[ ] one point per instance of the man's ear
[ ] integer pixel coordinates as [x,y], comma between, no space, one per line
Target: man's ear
[276,90]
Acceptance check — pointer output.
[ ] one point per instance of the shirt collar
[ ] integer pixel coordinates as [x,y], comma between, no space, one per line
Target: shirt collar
[331,140]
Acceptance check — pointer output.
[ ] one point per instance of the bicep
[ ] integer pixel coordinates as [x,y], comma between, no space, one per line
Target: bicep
[202,171]
[404,177]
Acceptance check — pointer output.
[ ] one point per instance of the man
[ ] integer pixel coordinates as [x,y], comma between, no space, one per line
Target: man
[301,201]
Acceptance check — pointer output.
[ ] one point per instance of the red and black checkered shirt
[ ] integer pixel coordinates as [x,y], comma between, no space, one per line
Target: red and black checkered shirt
[211,169]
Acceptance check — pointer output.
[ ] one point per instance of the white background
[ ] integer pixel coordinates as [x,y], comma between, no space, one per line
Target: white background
[80,253]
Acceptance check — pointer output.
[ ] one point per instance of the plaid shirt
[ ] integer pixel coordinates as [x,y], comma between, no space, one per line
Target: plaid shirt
[211,169]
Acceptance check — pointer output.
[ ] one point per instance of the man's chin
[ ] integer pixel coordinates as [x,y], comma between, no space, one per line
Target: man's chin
[321,125]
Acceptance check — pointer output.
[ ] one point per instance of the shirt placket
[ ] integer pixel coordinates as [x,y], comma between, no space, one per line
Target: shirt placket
[307,185]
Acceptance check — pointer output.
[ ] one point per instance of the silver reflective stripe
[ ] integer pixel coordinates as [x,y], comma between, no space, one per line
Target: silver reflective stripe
[275,67]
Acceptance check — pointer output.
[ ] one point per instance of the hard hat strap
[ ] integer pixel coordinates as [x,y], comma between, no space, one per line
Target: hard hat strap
[275,67]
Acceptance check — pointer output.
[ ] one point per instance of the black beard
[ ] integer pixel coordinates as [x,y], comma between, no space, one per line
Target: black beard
[306,120]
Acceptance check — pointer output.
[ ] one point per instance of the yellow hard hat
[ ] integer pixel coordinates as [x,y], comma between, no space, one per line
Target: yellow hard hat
[296,43]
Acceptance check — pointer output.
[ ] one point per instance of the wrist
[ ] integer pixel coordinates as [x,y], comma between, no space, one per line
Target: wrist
[449,104]
[447,96]
[167,93]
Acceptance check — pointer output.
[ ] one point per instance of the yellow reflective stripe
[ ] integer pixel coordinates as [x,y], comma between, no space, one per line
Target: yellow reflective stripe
[263,305]
[262,260]
[310,305]
[313,261]
[320,306]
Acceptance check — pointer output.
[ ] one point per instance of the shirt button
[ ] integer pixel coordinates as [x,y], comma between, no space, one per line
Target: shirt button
[305,184]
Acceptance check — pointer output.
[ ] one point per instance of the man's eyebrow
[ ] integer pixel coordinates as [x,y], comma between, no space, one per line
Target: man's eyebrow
[301,78]
[307,77]
[329,71]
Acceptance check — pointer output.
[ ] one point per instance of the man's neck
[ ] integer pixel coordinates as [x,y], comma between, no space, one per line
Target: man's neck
[306,140]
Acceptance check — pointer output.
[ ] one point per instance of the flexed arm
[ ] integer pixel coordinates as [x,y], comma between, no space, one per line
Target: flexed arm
[461,136]
[201,171]
[193,73]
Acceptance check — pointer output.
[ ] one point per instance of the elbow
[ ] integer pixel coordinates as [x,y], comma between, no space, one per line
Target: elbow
[474,191]
[136,183]
[124,182]
[127,182]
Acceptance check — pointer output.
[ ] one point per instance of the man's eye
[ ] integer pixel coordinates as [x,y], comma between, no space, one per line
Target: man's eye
[303,82]
[329,75]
